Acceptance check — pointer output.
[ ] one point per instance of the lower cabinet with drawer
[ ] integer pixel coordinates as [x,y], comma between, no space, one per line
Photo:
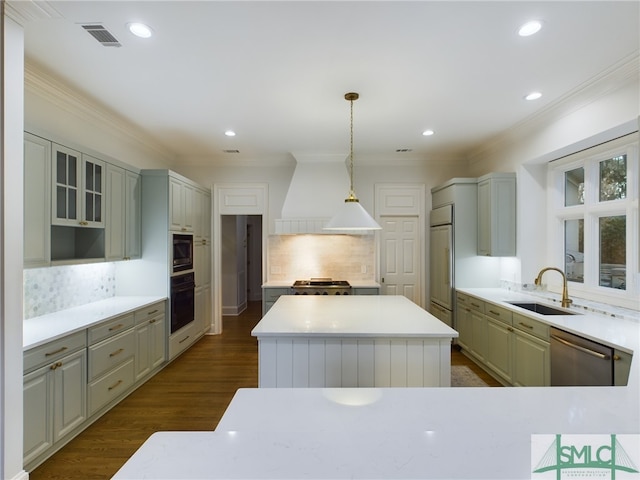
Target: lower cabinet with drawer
[512,347]
[108,379]
[70,382]
[151,340]
[54,394]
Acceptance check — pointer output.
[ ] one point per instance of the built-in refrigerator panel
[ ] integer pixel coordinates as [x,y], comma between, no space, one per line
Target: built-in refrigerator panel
[456,203]
[441,257]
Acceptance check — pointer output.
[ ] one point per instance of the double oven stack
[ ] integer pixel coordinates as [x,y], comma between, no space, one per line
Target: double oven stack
[183,282]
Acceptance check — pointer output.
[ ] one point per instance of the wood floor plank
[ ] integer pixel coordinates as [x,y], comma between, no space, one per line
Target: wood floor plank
[189,394]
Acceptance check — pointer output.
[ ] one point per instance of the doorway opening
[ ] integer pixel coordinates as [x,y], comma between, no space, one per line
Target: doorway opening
[241,262]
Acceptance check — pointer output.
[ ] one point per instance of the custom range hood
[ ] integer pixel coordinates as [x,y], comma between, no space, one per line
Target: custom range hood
[315,194]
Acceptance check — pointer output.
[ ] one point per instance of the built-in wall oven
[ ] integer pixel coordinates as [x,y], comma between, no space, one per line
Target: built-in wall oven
[182,253]
[182,300]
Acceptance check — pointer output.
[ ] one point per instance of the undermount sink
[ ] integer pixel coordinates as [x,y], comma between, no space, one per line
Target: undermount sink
[540,308]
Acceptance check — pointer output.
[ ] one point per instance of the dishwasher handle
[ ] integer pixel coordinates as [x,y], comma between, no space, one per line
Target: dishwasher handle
[588,351]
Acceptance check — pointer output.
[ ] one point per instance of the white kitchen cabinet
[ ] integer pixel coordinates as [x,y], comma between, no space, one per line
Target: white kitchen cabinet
[366,290]
[479,344]
[111,361]
[181,202]
[151,338]
[532,361]
[202,213]
[133,216]
[499,348]
[37,198]
[55,400]
[123,214]
[497,215]
[531,357]
[78,186]
[115,212]
[271,294]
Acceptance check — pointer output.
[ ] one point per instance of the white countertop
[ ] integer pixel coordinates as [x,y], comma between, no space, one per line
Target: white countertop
[426,433]
[350,316]
[40,330]
[622,333]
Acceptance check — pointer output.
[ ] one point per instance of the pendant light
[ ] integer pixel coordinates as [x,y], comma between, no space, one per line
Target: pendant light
[352,215]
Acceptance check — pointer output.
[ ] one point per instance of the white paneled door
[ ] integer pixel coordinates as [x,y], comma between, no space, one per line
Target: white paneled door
[400,257]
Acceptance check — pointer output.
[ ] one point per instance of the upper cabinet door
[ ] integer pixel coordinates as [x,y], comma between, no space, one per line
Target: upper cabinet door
[497,215]
[37,195]
[77,189]
[93,189]
[66,186]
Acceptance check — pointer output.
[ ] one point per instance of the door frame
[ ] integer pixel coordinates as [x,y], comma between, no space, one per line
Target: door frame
[404,200]
[235,199]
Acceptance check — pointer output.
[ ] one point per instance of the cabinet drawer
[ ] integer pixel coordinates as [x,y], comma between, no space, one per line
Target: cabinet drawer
[531,326]
[474,304]
[55,350]
[112,327]
[146,313]
[498,313]
[462,299]
[107,354]
[272,294]
[111,386]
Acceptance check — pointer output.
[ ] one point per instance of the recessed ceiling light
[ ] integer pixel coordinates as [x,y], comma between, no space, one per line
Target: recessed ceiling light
[230,133]
[140,29]
[530,28]
[533,96]
[428,133]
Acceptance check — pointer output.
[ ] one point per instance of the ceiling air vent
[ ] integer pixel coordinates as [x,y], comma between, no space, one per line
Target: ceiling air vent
[102,35]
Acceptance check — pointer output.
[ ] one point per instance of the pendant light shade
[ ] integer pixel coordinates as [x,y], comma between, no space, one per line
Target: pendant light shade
[352,215]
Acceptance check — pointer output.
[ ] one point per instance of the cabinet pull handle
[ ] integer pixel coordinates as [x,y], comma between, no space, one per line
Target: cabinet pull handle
[510,329]
[115,385]
[617,357]
[153,320]
[152,312]
[184,339]
[117,352]
[116,327]
[56,365]
[83,223]
[530,327]
[184,229]
[495,313]
[588,351]
[60,350]
[475,305]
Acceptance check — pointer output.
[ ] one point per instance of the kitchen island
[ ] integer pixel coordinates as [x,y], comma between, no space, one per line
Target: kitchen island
[352,341]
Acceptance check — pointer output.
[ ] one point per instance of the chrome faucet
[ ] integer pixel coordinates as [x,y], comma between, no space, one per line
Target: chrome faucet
[566,301]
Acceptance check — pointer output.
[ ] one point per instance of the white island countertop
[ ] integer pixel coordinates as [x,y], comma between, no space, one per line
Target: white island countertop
[37,331]
[350,316]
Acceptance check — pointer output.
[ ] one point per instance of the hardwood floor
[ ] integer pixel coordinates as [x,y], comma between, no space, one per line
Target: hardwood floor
[191,393]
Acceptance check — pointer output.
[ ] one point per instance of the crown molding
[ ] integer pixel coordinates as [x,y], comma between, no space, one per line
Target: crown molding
[617,76]
[24,11]
[71,101]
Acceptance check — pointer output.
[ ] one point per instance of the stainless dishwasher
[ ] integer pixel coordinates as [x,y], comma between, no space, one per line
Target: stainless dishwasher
[577,361]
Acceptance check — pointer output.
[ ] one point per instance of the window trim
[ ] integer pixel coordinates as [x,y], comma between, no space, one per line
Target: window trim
[591,211]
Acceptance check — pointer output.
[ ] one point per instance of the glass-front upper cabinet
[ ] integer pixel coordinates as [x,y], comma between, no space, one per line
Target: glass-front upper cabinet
[78,189]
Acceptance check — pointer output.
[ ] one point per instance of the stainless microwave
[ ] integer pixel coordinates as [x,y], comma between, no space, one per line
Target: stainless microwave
[182,252]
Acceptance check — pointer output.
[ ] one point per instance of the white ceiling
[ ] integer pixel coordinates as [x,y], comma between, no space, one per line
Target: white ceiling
[277,72]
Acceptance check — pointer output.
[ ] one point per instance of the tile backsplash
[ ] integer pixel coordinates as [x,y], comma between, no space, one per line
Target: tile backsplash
[51,289]
[341,257]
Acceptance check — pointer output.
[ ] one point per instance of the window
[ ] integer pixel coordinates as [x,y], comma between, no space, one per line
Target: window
[594,220]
